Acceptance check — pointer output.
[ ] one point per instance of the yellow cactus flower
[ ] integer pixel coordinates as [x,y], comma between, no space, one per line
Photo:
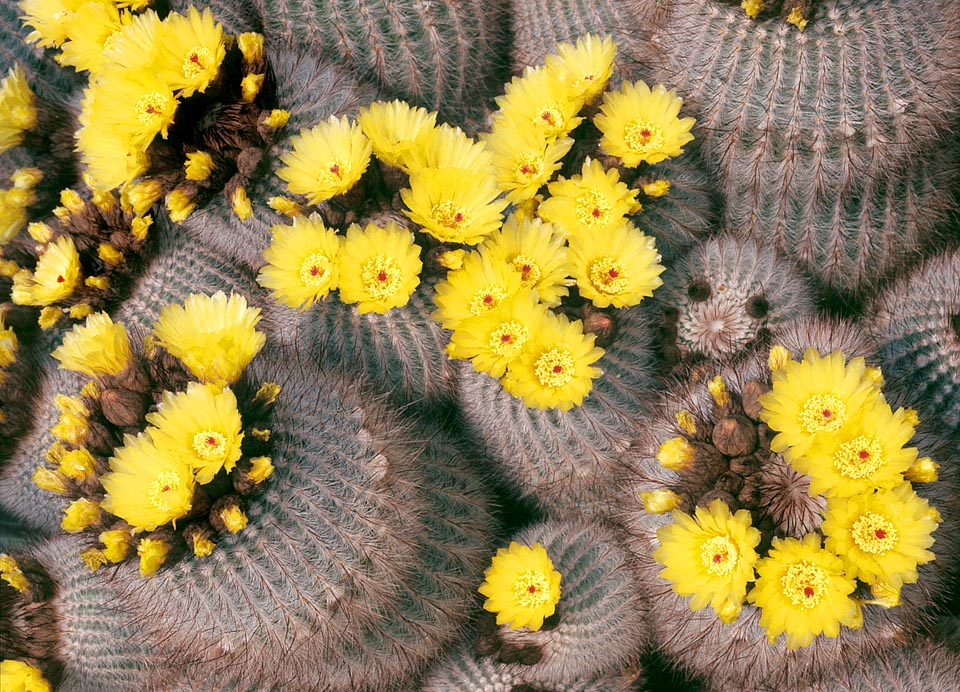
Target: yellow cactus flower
[11,573]
[797,19]
[285,206]
[586,66]
[521,585]
[802,591]
[201,545]
[8,345]
[90,27]
[478,287]
[153,553]
[379,267]
[111,161]
[753,8]
[93,558]
[523,162]
[18,112]
[710,557]
[18,676]
[140,226]
[241,204]
[595,200]
[233,518]
[201,426]
[393,128]
[251,46]
[539,99]
[78,464]
[660,501]
[56,276]
[556,369]
[139,197]
[116,544]
[191,49]
[180,205]
[99,347]
[619,267]
[326,160]
[215,336]
[640,124]
[675,454]
[454,206]
[277,118]
[260,469]
[445,146]
[923,470]
[136,105]
[79,515]
[303,262]
[51,481]
[146,487]
[250,86]
[198,166]
[656,188]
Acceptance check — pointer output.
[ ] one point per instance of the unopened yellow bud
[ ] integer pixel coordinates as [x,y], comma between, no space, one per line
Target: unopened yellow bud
[72,201]
[241,203]
[139,227]
[17,675]
[875,375]
[198,165]
[40,231]
[884,595]
[910,417]
[262,434]
[250,86]
[260,469]
[452,259]
[139,197]
[80,310]
[71,429]
[117,544]
[753,8]
[153,553]
[284,205]
[11,573]
[934,514]
[26,178]
[49,317]
[729,611]
[105,201]
[70,404]
[202,546]
[180,205]
[658,188]
[80,514]
[8,268]
[686,422]
[101,283]
[267,394]
[277,118]
[675,454]
[62,213]
[94,558]
[251,46]
[233,518]
[779,357]
[718,390]
[797,19]
[923,470]
[91,390]
[55,452]
[109,254]
[77,464]
[660,501]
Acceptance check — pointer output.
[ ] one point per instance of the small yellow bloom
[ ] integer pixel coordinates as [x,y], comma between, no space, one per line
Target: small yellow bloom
[797,19]
[99,347]
[523,161]
[71,428]
[923,470]
[141,196]
[326,160]
[180,205]
[100,283]
[380,267]
[233,518]
[56,276]
[18,676]
[11,573]
[656,188]
[93,558]
[140,226]
[215,336]
[198,165]
[116,544]
[585,67]
[241,203]
[779,358]
[251,46]
[753,8]
[80,514]
[277,118]
[8,345]
[109,254]
[49,317]
[18,113]
[303,262]
[660,501]
[267,394]
[201,545]
[77,464]
[260,469]
[521,585]
[285,205]
[250,86]
[675,454]
[719,392]
[542,100]
[452,259]
[80,310]
[153,553]
[393,128]
[619,267]
[640,124]
[13,212]
[478,287]
[50,481]
[453,205]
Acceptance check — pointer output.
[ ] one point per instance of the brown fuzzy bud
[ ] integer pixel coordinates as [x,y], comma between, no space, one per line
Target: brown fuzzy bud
[599,323]
[123,407]
[745,466]
[226,514]
[729,483]
[99,440]
[750,395]
[248,160]
[725,497]
[200,539]
[735,436]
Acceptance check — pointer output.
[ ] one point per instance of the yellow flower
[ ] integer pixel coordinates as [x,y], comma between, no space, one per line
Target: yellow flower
[521,586]
[277,118]
[93,558]
[539,99]
[117,543]
[180,205]
[660,501]
[202,426]
[447,147]
[710,557]
[11,573]
[303,262]
[675,453]
[496,338]
[18,112]
[89,29]
[77,464]
[201,545]
[595,200]
[240,201]
[802,591]
[49,19]
[251,47]
[55,277]
[538,254]
[48,480]
[260,469]
[146,487]
[656,188]
[555,369]
[815,398]
[191,49]
[13,212]
[110,160]
[80,310]
[752,8]
[478,287]
[214,336]
[393,127]
[453,205]
[233,518]
[585,67]
[153,553]
[619,267]
[80,514]
[198,165]
[250,86]
[17,676]
[923,470]
[881,537]
[136,45]
[867,453]
[640,124]
[797,19]
[326,160]
[99,347]
[523,161]
[380,267]
[8,345]
[139,197]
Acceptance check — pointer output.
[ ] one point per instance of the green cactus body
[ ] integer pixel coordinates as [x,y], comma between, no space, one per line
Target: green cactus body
[724,297]
[828,142]
[916,323]
[444,55]
[558,457]
[600,625]
[903,667]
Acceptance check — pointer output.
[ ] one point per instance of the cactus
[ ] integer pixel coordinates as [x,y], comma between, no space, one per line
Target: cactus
[916,323]
[559,457]
[599,625]
[815,150]
[444,56]
[236,17]
[825,334]
[730,460]
[725,296]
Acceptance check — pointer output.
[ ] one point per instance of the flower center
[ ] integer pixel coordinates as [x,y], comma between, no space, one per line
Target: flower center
[593,209]
[486,299]
[332,172]
[529,270]
[858,458]
[642,135]
[822,413]
[449,215]
[874,533]
[315,270]
[210,445]
[508,338]
[158,493]
[529,166]
[381,276]
[608,276]
[804,584]
[719,555]
[549,117]
[554,368]
[152,108]
[195,62]
[531,589]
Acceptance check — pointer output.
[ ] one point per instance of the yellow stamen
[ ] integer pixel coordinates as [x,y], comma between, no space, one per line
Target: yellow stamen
[449,215]
[609,276]
[858,458]
[486,299]
[822,413]
[874,533]
[804,584]
[719,555]
[507,339]
[529,270]
[166,481]
[381,276]
[315,270]
[209,445]
[641,135]
[531,589]
[554,368]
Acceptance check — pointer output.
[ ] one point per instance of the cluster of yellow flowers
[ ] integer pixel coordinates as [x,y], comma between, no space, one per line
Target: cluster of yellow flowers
[154,477]
[521,586]
[834,426]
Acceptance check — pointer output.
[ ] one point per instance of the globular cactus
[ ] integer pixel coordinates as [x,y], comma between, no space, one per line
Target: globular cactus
[560,457]
[727,457]
[827,141]
[725,296]
[916,323]
[825,334]
[444,56]
[599,626]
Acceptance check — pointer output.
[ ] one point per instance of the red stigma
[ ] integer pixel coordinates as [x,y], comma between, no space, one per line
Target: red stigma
[314,270]
[488,299]
[335,169]
[827,413]
[382,276]
[164,488]
[557,369]
[150,108]
[532,589]
[525,169]
[808,591]
[880,533]
[458,217]
[717,557]
[613,273]
[645,133]
[211,440]
[596,212]
[60,279]
[194,58]
[863,454]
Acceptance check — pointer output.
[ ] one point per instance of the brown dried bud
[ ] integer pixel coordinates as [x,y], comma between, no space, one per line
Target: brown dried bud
[601,324]
[123,407]
[729,483]
[745,466]
[243,484]
[248,160]
[750,395]
[99,439]
[735,436]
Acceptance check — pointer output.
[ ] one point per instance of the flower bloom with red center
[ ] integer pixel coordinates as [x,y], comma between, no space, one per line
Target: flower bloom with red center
[326,160]
[303,262]
[380,267]
[453,205]
[480,285]
[521,586]
[593,201]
